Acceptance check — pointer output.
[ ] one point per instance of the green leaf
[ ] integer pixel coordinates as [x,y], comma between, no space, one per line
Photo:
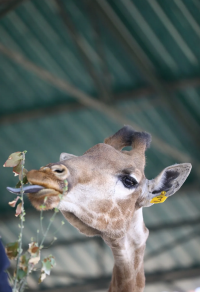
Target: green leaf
[23,264]
[21,274]
[25,171]
[12,250]
[25,181]
[47,264]
[17,169]
[13,160]
[34,249]
[46,267]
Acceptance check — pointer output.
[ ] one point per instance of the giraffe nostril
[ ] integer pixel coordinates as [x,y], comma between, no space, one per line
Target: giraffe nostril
[60,171]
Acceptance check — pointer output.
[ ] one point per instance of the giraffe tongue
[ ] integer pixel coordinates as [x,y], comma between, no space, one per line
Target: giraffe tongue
[27,189]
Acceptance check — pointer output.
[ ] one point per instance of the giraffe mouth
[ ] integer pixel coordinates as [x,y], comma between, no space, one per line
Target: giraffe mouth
[37,194]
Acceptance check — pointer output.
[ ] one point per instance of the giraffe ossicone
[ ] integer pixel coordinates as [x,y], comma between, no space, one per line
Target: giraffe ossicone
[107,190]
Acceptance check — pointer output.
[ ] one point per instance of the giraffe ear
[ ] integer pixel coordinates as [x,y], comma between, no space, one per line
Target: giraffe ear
[66,156]
[169,180]
[165,184]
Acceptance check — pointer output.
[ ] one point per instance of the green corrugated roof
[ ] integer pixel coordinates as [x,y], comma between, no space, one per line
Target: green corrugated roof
[167,36]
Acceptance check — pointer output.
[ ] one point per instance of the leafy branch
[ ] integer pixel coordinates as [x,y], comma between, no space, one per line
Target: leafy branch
[22,217]
[26,262]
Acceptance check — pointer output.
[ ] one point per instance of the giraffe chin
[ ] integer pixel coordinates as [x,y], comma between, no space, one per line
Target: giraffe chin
[79,224]
[89,230]
[37,199]
[86,225]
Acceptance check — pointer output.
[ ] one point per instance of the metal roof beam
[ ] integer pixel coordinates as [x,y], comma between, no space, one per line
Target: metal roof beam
[53,109]
[173,275]
[171,86]
[9,7]
[89,101]
[174,224]
[29,114]
[179,241]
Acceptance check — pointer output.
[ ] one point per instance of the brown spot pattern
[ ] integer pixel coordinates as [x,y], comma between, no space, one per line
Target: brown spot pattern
[124,205]
[139,254]
[117,224]
[102,223]
[101,206]
[140,279]
[82,227]
[114,213]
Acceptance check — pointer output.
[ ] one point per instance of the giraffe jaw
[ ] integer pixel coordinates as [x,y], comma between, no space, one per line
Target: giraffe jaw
[79,224]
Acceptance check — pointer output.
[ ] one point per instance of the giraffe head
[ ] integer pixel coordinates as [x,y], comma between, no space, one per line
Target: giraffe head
[105,185]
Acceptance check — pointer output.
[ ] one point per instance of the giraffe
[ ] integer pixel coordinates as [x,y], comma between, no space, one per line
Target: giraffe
[107,190]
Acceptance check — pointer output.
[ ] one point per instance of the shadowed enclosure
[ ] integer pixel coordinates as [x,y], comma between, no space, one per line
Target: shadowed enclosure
[75,72]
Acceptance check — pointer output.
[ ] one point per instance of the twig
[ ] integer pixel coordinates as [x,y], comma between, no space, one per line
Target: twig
[56,210]
[41,218]
[21,289]
[51,221]
[22,220]
[51,243]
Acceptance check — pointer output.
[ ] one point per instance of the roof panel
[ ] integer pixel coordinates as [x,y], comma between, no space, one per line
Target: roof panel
[167,34]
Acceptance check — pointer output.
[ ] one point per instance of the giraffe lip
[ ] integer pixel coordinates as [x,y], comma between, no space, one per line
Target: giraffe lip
[26,190]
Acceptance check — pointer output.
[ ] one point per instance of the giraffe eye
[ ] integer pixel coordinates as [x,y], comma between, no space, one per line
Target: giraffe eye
[129,181]
[59,170]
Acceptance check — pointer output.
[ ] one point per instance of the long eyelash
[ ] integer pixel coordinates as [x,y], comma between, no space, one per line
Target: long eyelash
[128,181]
[59,170]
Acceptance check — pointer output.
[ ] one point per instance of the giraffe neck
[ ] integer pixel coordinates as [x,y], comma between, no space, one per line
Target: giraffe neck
[128,252]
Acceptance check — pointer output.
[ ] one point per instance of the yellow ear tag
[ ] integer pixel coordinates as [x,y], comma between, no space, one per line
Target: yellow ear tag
[159,199]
